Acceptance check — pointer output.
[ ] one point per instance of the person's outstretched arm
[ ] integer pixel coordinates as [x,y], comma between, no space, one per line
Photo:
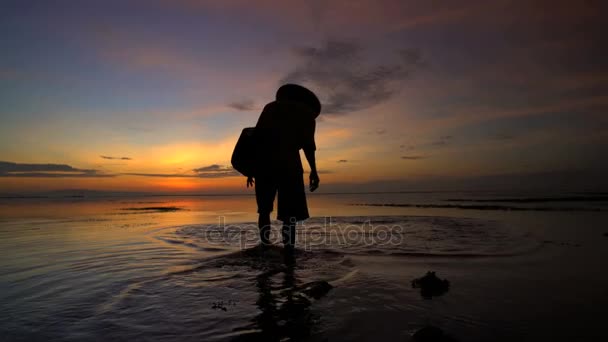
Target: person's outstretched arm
[309,151]
[314,176]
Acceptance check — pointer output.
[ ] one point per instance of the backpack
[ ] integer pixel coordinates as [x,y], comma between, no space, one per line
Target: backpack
[243,157]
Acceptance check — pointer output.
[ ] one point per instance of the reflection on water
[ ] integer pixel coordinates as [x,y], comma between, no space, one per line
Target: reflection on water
[283,312]
[81,270]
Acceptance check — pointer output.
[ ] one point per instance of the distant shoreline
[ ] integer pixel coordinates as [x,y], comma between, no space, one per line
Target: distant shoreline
[587,197]
[477,207]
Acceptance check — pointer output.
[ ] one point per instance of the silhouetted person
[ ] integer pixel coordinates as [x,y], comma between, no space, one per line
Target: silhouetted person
[284,127]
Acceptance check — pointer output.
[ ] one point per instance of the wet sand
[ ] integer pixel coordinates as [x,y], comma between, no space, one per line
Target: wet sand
[156,275]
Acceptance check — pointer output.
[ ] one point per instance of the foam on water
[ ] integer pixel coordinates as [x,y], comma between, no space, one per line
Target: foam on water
[380,235]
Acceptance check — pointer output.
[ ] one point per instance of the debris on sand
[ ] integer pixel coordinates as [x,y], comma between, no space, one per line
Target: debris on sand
[316,289]
[221,305]
[431,286]
[432,334]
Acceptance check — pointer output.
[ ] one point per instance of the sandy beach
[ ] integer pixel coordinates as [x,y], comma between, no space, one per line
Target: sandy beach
[427,170]
[188,269]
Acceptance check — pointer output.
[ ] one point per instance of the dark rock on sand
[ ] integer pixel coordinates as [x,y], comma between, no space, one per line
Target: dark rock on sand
[221,305]
[316,289]
[432,334]
[431,286]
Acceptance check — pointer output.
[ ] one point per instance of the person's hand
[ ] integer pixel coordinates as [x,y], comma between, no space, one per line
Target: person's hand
[314,181]
[250,181]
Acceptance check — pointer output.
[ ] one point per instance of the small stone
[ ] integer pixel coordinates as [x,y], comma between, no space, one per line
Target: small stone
[316,289]
[219,306]
[431,286]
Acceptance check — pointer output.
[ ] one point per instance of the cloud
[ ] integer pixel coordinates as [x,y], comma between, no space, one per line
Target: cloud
[344,81]
[412,157]
[442,141]
[210,171]
[342,161]
[243,105]
[10,169]
[212,168]
[116,158]
[161,175]
[215,171]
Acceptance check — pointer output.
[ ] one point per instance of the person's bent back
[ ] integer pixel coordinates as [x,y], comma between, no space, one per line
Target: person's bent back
[284,127]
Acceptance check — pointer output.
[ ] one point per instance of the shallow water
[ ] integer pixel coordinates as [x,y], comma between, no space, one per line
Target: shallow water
[413,236]
[91,270]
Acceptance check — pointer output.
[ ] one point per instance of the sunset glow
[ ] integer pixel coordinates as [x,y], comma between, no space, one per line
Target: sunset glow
[415,96]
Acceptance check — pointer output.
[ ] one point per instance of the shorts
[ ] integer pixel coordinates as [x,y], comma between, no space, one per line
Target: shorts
[291,196]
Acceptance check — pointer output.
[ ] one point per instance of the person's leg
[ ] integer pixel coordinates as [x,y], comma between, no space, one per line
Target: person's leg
[265,191]
[291,206]
[289,241]
[264,226]
[289,233]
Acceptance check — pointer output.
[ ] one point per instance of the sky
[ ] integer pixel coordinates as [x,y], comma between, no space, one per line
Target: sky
[137,95]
